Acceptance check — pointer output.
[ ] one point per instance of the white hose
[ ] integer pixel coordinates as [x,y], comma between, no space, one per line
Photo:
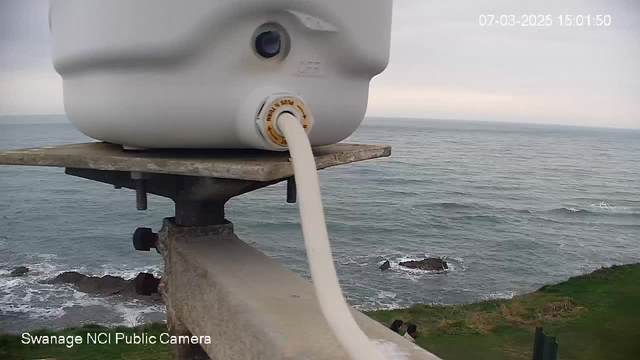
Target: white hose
[332,303]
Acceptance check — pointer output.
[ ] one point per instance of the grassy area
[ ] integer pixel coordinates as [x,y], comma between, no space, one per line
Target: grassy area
[595,316]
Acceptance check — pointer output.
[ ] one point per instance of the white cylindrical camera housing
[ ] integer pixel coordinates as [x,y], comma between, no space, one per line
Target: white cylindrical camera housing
[196,73]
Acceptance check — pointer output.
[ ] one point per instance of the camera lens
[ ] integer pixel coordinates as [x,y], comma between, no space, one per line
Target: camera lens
[268,44]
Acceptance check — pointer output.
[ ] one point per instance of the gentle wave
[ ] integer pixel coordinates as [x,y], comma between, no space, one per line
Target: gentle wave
[449,205]
[569,210]
[596,210]
[605,206]
[483,219]
[445,206]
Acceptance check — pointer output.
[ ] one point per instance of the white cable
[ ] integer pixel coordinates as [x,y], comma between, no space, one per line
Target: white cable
[332,303]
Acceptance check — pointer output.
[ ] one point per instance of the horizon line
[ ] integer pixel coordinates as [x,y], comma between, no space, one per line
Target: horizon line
[515,122]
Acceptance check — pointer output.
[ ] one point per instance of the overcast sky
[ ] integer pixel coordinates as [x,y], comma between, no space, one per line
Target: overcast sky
[444,65]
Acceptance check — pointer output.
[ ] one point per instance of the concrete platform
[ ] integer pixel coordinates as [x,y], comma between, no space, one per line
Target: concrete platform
[250,305]
[253,165]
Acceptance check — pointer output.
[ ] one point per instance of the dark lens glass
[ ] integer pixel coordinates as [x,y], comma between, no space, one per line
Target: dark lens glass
[268,44]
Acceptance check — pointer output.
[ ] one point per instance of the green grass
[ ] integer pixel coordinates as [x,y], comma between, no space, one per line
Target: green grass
[595,316]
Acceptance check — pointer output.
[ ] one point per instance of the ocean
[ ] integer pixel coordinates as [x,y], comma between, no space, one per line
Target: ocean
[510,207]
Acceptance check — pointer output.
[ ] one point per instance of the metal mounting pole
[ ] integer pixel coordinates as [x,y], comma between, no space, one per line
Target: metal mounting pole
[199,213]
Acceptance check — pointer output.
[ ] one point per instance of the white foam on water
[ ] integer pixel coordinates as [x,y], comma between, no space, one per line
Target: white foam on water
[46,256]
[452,260]
[386,294]
[34,312]
[358,260]
[11,282]
[79,298]
[395,266]
[375,304]
[389,350]
[379,256]
[41,270]
[30,296]
[500,295]
[18,298]
[133,310]
[604,206]
[130,311]
[389,306]
[55,302]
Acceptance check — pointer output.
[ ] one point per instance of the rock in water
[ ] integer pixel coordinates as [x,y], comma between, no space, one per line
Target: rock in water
[146,284]
[385,265]
[430,264]
[71,277]
[19,271]
[105,286]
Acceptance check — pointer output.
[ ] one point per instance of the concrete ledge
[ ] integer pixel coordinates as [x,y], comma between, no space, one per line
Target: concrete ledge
[252,165]
[250,305]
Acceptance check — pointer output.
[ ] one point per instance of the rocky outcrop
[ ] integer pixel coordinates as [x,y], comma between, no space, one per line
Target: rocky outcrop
[104,286]
[430,264]
[385,265]
[19,271]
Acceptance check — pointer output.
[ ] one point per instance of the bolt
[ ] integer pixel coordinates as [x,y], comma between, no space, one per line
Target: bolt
[144,239]
[141,194]
[146,284]
[292,192]
[140,182]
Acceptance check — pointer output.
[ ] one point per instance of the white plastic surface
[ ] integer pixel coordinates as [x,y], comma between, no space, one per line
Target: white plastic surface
[184,74]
